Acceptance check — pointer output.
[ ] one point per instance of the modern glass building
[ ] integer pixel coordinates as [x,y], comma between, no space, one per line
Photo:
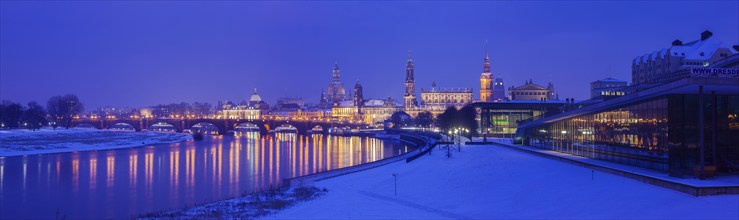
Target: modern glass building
[502,118]
[680,127]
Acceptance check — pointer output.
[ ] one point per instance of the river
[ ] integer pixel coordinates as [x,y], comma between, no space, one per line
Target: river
[124,183]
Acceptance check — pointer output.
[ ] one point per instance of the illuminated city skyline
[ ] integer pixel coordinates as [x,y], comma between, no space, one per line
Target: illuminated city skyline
[136,54]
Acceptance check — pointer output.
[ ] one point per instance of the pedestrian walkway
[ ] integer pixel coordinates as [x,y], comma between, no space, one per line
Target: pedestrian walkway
[714,186]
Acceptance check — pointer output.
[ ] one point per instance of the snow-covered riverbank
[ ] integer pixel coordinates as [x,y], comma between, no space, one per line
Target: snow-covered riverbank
[24,142]
[492,182]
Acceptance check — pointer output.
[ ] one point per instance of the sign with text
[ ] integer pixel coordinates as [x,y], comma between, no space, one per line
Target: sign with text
[715,72]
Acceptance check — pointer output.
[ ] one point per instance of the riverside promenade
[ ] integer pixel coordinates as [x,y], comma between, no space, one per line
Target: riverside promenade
[713,186]
[495,182]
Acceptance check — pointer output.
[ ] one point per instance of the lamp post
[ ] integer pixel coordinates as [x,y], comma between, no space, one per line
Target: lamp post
[395,180]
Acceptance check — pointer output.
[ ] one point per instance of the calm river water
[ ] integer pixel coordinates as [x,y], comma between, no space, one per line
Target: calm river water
[124,183]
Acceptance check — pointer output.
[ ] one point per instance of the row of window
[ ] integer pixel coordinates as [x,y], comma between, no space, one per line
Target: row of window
[529,93]
[699,63]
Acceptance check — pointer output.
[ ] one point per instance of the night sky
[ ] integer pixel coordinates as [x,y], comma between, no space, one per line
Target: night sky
[134,54]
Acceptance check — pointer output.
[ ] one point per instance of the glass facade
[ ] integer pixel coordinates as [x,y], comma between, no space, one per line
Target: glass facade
[503,118]
[499,121]
[660,134]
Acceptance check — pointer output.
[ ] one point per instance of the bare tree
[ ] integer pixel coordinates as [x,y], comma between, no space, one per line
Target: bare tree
[64,108]
[34,117]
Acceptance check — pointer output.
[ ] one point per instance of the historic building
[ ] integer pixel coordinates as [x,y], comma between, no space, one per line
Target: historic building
[252,110]
[608,87]
[532,91]
[675,62]
[336,91]
[377,110]
[358,97]
[369,111]
[437,100]
[409,97]
[486,80]
[499,94]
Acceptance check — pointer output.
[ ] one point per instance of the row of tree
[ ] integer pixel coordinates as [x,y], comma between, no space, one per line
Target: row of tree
[448,121]
[458,119]
[59,110]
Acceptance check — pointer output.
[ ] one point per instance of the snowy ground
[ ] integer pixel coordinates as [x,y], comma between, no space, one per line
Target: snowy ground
[245,207]
[24,142]
[492,182]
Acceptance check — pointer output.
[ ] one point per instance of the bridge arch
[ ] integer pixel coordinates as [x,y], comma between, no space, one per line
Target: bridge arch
[122,126]
[205,128]
[246,126]
[162,127]
[317,129]
[286,128]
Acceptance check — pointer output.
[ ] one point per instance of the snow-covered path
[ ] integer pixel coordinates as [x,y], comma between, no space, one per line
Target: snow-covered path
[490,182]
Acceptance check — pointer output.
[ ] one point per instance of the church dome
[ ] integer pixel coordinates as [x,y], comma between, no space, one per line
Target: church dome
[255,98]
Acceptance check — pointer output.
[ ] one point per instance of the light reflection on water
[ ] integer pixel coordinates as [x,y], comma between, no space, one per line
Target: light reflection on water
[128,182]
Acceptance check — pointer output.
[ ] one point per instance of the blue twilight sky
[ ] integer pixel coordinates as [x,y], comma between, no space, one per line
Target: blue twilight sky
[132,54]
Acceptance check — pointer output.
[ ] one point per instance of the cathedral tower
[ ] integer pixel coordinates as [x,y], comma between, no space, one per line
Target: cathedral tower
[358,97]
[410,85]
[486,79]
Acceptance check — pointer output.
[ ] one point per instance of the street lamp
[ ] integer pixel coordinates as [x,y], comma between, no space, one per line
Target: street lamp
[395,178]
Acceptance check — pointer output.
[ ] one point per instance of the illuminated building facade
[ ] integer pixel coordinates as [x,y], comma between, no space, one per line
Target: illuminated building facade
[608,87]
[409,96]
[252,110]
[437,100]
[501,119]
[678,127]
[377,110]
[532,91]
[486,80]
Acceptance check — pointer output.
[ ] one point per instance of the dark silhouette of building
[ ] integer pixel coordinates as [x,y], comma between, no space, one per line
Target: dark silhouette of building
[336,91]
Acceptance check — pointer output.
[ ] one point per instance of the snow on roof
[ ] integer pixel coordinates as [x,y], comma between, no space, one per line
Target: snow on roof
[374,102]
[691,50]
[346,103]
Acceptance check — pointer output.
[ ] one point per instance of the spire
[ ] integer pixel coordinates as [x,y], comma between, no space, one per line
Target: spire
[255,90]
[409,68]
[486,68]
[336,73]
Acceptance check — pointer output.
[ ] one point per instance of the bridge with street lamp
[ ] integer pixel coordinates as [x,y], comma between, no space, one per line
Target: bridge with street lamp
[265,124]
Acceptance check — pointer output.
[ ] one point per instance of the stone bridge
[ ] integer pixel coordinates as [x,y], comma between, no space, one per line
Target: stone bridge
[223,125]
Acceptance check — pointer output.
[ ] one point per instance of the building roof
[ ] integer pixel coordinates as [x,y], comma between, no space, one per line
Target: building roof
[374,103]
[451,90]
[530,86]
[609,79]
[255,97]
[348,103]
[691,50]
